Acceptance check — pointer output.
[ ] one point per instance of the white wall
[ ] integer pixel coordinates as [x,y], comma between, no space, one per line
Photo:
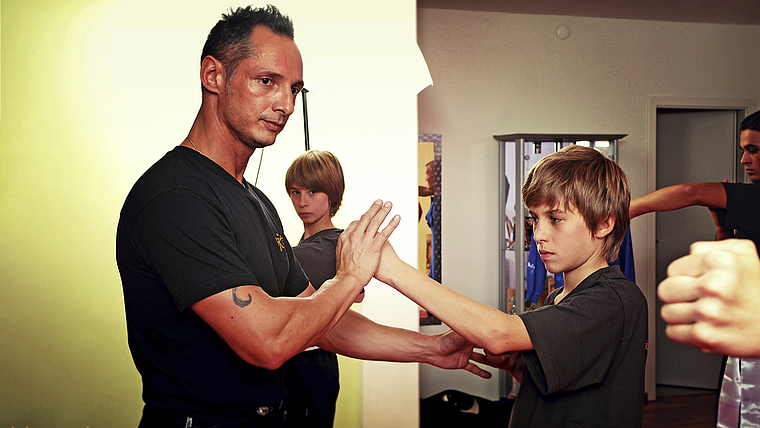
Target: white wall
[499,73]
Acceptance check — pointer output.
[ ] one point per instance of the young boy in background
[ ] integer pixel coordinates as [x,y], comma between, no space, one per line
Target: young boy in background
[580,359]
[315,184]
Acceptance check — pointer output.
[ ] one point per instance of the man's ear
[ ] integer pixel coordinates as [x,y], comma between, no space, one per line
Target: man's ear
[605,227]
[212,74]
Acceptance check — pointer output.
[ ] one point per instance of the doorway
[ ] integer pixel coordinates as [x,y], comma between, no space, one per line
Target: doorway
[693,145]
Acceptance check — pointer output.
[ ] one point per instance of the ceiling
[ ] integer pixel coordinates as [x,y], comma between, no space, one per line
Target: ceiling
[743,12]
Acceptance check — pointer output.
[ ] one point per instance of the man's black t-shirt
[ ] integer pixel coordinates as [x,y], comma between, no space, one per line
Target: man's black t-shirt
[742,211]
[189,230]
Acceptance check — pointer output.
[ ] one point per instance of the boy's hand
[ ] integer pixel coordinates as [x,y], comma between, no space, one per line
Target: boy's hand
[359,246]
[388,264]
[712,298]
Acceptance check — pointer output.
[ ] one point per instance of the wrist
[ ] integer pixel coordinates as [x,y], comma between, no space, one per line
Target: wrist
[351,281]
[387,268]
[427,348]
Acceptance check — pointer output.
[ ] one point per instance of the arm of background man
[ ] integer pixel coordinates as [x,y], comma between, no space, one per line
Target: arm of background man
[721,233]
[359,337]
[266,331]
[711,298]
[710,195]
[484,326]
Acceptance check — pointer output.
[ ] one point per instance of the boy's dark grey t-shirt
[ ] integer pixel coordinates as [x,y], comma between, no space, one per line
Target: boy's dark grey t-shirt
[588,363]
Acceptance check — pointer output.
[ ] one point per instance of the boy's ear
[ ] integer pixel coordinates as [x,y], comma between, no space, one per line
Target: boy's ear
[605,227]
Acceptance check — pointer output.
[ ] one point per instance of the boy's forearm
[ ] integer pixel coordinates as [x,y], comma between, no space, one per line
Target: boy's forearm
[483,325]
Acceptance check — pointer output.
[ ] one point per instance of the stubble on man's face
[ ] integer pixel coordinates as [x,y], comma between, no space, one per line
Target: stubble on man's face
[260,96]
[749,142]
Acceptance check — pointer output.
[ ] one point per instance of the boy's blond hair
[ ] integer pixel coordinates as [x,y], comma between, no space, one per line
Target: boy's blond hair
[583,179]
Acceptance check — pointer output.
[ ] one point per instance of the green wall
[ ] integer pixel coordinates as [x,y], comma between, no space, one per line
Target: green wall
[64,359]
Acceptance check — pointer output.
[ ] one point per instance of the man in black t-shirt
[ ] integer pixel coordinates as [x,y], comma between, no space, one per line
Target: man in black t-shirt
[735,206]
[736,212]
[214,297]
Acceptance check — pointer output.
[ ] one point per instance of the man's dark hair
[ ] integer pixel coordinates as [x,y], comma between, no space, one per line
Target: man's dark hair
[751,122]
[230,39]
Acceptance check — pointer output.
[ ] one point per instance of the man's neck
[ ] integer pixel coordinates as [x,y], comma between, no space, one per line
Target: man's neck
[221,147]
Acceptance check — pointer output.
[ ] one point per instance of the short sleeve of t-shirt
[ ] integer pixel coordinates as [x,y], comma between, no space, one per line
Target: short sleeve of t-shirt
[742,207]
[316,254]
[190,227]
[190,247]
[576,341]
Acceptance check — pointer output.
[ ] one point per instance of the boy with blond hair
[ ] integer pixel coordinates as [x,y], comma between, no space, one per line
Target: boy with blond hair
[580,359]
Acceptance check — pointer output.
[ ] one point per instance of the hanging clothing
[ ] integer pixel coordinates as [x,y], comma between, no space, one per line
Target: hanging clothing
[625,257]
[433,218]
[739,402]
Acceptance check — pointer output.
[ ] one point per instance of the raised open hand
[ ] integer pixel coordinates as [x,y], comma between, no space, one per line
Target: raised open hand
[360,245]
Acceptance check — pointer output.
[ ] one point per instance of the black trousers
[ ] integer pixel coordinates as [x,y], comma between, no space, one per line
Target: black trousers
[311,379]
[266,417]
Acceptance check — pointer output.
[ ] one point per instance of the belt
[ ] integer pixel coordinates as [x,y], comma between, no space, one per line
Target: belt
[265,410]
[156,414]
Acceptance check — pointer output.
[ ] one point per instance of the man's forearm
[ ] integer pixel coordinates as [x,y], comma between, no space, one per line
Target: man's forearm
[665,199]
[359,337]
[711,195]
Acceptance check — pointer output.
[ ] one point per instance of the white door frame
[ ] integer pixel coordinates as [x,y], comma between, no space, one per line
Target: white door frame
[650,285]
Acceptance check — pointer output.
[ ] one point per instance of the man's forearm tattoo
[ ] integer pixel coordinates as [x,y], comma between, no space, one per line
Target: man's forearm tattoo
[238,301]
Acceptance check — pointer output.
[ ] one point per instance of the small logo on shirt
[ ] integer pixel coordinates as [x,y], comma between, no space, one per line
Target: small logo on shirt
[279,238]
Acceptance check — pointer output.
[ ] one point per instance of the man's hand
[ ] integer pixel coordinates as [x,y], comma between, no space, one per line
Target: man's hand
[511,362]
[454,352]
[360,245]
[721,233]
[712,298]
